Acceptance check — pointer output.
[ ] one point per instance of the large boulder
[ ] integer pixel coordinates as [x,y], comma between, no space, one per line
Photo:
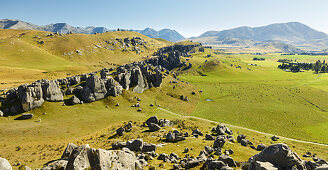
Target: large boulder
[135,145]
[57,164]
[113,88]
[51,91]
[4,164]
[84,157]
[279,155]
[94,89]
[30,96]
[124,79]
[264,166]
[138,80]
[151,120]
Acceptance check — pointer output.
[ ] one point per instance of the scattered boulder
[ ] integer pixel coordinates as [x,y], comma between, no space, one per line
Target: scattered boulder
[209,137]
[279,155]
[219,142]
[120,131]
[274,138]
[197,132]
[240,137]
[153,127]
[227,160]
[152,119]
[260,147]
[222,129]
[174,136]
[135,145]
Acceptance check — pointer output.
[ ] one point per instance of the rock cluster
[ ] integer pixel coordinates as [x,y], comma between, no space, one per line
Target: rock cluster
[84,157]
[155,124]
[136,145]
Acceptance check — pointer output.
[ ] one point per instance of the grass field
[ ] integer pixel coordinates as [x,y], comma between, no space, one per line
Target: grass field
[262,97]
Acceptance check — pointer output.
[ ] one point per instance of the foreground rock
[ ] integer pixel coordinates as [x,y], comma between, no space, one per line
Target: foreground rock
[84,157]
[279,155]
[4,164]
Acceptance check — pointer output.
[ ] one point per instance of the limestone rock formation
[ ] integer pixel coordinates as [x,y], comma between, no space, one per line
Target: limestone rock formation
[94,89]
[51,91]
[30,96]
[279,155]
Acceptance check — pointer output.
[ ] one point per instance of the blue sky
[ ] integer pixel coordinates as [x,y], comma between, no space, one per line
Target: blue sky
[189,17]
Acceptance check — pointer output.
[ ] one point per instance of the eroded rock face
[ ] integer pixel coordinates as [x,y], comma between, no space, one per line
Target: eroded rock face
[51,91]
[94,89]
[30,96]
[279,155]
[4,164]
[84,157]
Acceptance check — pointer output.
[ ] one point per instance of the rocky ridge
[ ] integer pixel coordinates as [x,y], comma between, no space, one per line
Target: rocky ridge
[90,87]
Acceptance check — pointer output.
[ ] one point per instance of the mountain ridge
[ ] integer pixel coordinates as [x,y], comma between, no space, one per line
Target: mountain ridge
[167,34]
[294,33]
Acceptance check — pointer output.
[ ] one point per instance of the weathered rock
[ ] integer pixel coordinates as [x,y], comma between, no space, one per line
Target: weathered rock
[4,164]
[264,166]
[138,81]
[68,151]
[279,155]
[174,136]
[209,137]
[135,145]
[154,127]
[113,88]
[149,147]
[118,145]
[30,96]
[85,157]
[1,114]
[73,100]
[322,167]
[94,89]
[274,138]
[197,132]
[152,119]
[240,137]
[219,142]
[120,131]
[208,149]
[228,160]
[15,108]
[54,165]
[124,79]
[231,138]
[51,91]
[260,147]
[165,122]
[128,127]
[244,142]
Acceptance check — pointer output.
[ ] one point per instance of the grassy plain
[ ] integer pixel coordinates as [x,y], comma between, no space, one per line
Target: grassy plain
[262,97]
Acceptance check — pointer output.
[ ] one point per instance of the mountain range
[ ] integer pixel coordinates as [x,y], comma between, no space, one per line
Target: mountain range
[167,34]
[293,33]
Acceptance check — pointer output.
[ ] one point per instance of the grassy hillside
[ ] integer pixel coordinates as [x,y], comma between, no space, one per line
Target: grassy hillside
[262,97]
[27,55]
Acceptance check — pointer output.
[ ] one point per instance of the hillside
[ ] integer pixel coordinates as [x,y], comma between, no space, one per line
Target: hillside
[293,33]
[167,34]
[27,55]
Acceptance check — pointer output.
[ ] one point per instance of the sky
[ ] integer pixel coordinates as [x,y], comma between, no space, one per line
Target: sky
[188,17]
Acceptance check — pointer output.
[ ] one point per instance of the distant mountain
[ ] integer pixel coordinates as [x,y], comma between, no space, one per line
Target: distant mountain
[294,33]
[167,34]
